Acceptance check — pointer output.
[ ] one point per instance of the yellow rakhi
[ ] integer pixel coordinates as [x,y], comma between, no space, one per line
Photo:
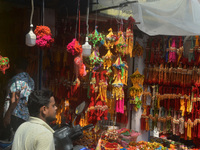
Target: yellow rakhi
[135,90]
[137,78]
[121,44]
[107,60]
[137,50]
[129,42]
[119,65]
[117,89]
[110,40]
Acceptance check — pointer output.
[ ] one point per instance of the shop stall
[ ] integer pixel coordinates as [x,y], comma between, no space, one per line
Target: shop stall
[139,81]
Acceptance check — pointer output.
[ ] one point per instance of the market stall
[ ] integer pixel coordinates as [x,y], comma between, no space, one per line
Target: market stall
[136,80]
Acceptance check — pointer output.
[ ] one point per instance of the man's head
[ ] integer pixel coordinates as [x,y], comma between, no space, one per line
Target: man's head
[41,104]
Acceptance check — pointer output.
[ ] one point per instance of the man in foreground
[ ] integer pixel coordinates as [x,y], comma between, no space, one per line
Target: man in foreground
[36,134]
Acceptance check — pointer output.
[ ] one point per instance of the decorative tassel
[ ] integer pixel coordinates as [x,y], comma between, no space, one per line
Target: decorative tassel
[191,51]
[172,51]
[180,50]
[167,51]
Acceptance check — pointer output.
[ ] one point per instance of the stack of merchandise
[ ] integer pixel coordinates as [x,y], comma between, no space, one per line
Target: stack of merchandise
[126,136]
[143,145]
[170,144]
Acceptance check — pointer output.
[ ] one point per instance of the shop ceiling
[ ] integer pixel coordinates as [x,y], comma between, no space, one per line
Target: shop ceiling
[156,17]
[68,7]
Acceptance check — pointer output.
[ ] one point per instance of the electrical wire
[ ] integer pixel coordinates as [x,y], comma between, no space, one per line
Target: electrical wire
[87,25]
[77,18]
[43,13]
[32,11]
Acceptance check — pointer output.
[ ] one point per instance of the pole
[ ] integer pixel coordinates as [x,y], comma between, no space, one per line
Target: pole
[40,50]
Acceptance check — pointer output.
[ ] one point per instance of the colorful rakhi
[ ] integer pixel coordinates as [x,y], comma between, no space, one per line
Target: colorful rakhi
[96,38]
[4,64]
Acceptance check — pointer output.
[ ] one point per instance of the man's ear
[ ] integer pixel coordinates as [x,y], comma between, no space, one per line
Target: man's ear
[43,110]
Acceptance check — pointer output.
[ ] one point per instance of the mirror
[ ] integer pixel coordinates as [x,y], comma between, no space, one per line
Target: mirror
[80,108]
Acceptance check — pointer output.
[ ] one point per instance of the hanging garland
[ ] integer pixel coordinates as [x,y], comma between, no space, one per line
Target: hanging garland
[44,39]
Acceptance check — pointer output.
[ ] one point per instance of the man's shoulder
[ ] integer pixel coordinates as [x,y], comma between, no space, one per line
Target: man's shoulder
[34,128]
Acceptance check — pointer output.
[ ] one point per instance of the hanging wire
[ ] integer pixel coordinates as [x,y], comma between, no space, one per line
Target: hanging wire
[32,11]
[87,25]
[116,18]
[77,18]
[43,12]
[122,24]
[96,18]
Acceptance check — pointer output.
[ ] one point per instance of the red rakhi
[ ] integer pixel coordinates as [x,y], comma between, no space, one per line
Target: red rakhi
[4,64]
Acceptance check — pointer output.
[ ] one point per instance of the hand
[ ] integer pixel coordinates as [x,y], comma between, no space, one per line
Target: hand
[15,97]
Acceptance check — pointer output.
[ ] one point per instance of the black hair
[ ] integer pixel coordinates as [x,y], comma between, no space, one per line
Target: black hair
[21,63]
[37,99]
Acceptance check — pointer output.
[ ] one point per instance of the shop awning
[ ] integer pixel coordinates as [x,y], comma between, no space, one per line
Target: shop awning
[161,17]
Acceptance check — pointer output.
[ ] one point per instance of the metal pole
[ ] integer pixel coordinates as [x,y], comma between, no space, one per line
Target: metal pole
[40,50]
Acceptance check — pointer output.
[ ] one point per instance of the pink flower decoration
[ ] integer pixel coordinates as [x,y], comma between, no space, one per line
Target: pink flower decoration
[45,41]
[70,46]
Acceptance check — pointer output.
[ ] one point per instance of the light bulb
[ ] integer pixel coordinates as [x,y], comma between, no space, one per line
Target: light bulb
[31,37]
[86,48]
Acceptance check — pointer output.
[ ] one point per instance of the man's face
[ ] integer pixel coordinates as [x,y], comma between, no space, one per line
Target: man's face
[51,110]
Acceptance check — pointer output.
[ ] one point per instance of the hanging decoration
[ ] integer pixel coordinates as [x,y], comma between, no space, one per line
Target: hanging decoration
[180,50]
[118,94]
[137,50]
[119,66]
[44,39]
[136,90]
[109,43]
[191,52]
[172,51]
[96,38]
[107,60]
[110,40]
[197,51]
[121,44]
[4,64]
[74,47]
[129,42]
[94,59]
[174,88]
